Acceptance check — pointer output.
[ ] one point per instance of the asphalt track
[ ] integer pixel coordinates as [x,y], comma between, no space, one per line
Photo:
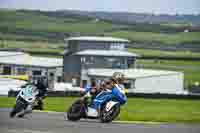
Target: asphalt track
[40,122]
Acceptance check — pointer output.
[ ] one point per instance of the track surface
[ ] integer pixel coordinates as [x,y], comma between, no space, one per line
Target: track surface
[39,122]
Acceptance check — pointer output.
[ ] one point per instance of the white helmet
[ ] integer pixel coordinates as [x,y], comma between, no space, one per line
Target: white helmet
[118,76]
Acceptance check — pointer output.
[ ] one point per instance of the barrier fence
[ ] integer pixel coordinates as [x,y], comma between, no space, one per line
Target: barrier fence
[133,95]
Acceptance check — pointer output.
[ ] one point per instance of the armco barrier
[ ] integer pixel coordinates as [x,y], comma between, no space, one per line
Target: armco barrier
[138,95]
[50,93]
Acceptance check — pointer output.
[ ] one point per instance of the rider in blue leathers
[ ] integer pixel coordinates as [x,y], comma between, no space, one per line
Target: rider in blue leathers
[92,88]
[119,89]
[115,90]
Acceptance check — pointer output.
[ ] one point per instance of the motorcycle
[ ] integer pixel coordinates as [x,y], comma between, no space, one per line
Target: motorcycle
[25,101]
[104,107]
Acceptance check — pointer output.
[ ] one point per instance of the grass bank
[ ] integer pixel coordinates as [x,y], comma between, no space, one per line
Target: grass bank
[137,109]
[176,38]
[166,54]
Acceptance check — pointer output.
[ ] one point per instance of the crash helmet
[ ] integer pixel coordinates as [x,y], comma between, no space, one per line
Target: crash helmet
[118,77]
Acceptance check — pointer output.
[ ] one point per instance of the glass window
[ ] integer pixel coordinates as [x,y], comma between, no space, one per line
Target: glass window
[21,71]
[103,62]
[59,79]
[118,46]
[7,70]
[113,62]
[127,85]
[37,72]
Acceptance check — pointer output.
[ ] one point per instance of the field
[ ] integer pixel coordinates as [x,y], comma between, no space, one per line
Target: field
[163,38]
[137,109]
[45,26]
[37,47]
[54,26]
[166,54]
[40,22]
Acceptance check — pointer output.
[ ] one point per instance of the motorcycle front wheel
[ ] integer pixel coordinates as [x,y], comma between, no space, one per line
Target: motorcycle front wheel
[20,105]
[109,116]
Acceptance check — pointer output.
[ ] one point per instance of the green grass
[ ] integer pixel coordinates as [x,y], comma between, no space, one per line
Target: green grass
[35,21]
[176,38]
[191,69]
[137,109]
[28,44]
[160,53]
[176,24]
[38,25]
[35,47]
[42,46]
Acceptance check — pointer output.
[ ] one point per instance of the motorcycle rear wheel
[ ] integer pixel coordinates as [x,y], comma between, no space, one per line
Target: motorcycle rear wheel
[74,113]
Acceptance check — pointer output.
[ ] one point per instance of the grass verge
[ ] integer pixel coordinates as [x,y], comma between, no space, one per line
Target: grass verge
[166,54]
[176,38]
[136,109]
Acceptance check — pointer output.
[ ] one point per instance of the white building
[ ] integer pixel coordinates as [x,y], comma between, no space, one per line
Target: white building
[145,80]
[20,63]
[99,57]
[7,84]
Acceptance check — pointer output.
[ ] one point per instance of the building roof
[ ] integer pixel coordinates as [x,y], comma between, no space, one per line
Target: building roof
[110,53]
[10,53]
[20,58]
[130,73]
[97,38]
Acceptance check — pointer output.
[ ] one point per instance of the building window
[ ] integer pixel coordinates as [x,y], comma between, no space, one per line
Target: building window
[21,71]
[130,84]
[7,70]
[117,46]
[74,82]
[127,85]
[84,83]
[112,62]
[1,69]
[133,84]
[37,72]
[59,79]
[83,59]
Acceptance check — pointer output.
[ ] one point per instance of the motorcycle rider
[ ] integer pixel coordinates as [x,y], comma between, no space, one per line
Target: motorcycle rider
[41,87]
[117,88]
[93,88]
[114,86]
[118,78]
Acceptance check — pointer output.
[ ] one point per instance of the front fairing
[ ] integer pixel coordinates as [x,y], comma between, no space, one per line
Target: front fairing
[28,93]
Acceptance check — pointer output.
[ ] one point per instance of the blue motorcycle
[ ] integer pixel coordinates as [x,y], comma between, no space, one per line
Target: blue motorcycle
[105,107]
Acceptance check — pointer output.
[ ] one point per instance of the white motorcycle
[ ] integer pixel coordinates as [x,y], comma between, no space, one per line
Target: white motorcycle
[25,101]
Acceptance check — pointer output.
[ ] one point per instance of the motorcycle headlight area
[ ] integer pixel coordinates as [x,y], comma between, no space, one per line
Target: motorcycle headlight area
[30,99]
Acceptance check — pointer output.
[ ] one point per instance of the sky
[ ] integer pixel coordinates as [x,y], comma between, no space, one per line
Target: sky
[138,6]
